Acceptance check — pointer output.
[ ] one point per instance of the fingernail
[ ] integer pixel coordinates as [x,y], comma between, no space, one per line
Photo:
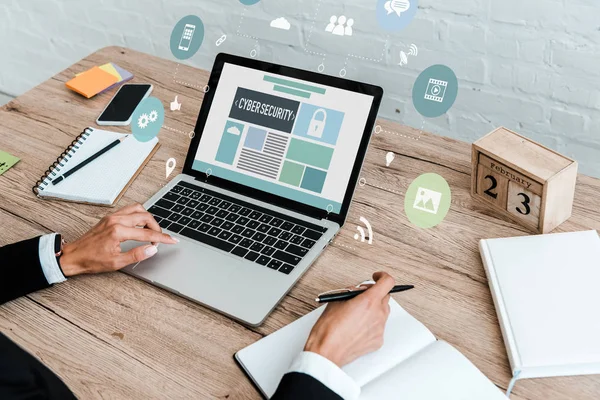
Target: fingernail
[151,250]
[175,239]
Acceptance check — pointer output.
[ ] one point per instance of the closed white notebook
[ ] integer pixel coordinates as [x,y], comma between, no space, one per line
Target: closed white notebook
[412,364]
[103,179]
[546,289]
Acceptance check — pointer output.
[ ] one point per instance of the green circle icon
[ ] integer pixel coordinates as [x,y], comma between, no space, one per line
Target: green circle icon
[435,91]
[427,200]
[187,37]
[249,2]
[147,119]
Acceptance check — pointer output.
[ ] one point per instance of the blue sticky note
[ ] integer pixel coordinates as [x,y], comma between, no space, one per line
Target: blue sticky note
[125,75]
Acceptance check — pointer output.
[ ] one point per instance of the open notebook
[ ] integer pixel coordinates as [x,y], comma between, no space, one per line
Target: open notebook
[104,180]
[545,288]
[412,364]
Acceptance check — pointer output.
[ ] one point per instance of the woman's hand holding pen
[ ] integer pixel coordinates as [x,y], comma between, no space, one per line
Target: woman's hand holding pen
[349,329]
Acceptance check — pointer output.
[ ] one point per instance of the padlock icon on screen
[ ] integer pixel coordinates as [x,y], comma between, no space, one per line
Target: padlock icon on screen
[317,123]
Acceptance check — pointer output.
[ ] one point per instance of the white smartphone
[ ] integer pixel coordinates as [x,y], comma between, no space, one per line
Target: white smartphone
[120,109]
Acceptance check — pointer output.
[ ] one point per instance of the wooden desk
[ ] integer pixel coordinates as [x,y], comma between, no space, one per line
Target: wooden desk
[113,336]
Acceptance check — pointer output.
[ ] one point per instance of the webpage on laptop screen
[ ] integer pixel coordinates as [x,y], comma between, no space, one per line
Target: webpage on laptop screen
[284,136]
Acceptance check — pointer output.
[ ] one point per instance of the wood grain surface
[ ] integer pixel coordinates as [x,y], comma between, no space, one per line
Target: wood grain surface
[115,337]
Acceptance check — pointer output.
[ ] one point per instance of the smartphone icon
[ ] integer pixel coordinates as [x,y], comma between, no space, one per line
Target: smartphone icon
[186,37]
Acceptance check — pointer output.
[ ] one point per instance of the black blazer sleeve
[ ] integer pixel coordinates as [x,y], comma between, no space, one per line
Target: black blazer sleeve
[298,386]
[20,270]
[23,377]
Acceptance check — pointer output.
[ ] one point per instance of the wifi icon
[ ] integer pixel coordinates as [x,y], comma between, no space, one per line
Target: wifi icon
[361,232]
[414,50]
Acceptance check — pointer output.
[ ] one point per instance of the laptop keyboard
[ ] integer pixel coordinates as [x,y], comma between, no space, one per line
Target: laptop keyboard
[262,236]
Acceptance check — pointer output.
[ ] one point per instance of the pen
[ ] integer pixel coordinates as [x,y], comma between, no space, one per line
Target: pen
[327,298]
[87,161]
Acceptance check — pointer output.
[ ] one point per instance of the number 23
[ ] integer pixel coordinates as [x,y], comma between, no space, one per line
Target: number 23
[526,199]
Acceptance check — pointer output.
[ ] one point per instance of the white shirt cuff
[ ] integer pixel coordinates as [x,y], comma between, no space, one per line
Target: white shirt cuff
[327,373]
[50,267]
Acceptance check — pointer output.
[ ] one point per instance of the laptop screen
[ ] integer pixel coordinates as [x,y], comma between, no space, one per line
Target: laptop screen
[284,136]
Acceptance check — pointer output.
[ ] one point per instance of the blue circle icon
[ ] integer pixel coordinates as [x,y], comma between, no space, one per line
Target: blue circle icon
[187,37]
[147,119]
[394,15]
[249,2]
[435,91]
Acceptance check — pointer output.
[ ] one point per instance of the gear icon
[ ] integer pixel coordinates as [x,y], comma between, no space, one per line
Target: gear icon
[143,121]
[153,116]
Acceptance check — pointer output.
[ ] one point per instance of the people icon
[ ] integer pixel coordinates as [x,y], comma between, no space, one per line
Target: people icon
[332,22]
[348,29]
[340,26]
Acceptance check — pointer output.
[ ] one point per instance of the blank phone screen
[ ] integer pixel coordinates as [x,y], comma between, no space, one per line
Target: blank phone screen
[124,103]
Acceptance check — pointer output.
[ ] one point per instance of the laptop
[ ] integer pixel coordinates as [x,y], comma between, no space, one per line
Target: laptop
[266,186]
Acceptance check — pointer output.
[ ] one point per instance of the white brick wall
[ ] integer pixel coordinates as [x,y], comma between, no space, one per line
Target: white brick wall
[531,65]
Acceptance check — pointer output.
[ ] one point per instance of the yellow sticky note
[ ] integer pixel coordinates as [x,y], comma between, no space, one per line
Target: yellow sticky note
[111,70]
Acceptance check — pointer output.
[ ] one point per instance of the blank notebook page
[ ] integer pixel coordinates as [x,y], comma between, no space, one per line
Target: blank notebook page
[550,286]
[267,360]
[102,180]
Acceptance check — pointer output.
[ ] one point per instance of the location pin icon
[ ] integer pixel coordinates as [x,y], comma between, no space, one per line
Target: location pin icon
[208,173]
[171,163]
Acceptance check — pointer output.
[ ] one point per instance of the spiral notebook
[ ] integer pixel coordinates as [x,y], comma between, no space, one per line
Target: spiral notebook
[104,180]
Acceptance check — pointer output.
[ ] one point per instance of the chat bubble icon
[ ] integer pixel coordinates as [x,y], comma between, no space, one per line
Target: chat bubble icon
[397,6]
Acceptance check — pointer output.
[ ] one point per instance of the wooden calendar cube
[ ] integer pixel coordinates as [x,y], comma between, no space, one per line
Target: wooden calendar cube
[528,182]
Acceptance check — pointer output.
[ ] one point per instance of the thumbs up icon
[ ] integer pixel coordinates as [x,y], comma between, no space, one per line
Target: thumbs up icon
[175,106]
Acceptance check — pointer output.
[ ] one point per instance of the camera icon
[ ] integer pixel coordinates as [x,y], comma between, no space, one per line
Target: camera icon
[436,90]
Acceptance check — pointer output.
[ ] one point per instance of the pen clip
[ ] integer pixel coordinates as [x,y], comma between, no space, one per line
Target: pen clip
[344,290]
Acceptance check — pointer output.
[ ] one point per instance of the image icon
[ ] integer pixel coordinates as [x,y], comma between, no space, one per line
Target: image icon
[435,91]
[187,37]
[340,26]
[395,15]
[281,23]
[147,119]
[427,200]
[361,235]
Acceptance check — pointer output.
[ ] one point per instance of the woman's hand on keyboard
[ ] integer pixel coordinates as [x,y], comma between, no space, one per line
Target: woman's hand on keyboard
[99,249]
